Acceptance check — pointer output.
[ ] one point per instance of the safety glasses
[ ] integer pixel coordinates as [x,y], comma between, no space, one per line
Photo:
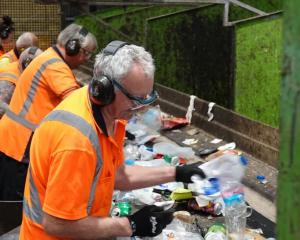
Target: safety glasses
[139,101]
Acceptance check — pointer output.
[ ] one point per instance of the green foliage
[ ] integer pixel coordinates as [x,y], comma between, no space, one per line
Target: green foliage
[258,58]
[114,11]
[130,21]
[189,53]
[266,5]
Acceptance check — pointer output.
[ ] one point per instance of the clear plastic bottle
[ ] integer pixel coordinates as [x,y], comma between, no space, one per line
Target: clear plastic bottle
[232,193]
[152,118]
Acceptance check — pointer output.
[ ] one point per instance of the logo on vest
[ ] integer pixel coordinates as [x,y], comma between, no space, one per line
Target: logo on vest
[154,223]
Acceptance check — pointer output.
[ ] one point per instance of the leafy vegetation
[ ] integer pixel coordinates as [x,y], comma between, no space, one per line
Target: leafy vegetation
[258,58]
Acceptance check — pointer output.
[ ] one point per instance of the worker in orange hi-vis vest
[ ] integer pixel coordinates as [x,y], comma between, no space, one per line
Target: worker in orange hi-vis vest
[7,31]
[46,81]
[10,74]
[77,159]
[25,40]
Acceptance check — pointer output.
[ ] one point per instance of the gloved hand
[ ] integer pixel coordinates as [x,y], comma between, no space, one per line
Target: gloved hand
[149,221]
[185,172]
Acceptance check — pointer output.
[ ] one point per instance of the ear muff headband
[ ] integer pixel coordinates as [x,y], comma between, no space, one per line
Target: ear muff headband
[101,88]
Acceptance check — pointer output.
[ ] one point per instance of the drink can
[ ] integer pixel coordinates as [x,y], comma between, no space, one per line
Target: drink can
[125,208]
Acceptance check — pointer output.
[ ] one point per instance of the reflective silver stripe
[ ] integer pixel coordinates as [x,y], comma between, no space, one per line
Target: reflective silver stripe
[9,75]
[34,213]
[20,120]
[34,84]
[87,130]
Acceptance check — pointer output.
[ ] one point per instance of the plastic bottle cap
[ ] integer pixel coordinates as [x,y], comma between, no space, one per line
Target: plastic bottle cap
[260,177]
[129,162]
[236,198]
[244,160]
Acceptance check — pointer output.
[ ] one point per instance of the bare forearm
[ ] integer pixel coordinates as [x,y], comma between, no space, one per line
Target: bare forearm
[132,177]
[87,228]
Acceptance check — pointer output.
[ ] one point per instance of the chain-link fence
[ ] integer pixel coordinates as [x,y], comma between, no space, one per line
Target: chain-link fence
[42,19]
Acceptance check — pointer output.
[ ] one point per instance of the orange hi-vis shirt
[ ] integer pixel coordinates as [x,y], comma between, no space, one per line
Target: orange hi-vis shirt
[10,72]
[41,87]
[72,167]
[11,56]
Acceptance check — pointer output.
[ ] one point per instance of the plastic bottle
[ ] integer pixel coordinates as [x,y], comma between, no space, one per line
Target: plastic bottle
[152,118]
[236,213]
[226,167]
[232,193]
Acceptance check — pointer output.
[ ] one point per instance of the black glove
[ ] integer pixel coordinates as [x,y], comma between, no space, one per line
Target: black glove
[185,172]
[149,221]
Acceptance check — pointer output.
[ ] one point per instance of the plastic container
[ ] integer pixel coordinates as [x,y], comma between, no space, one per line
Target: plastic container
[131,152]
[232,193]
[228,167]
[235,220]
[173,150]
[152,118]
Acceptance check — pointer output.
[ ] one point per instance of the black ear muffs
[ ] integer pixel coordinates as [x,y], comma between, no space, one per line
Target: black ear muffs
[101,89]
[73,45]
[31,53]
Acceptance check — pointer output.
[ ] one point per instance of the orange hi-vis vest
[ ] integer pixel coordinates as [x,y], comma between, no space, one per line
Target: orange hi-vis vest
[41,87]
[10,72]
[11,55]
[72,167]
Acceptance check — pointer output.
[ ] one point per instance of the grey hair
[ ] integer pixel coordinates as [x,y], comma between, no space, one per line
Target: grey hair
[26,40]
[118,66]
[26,55]
[73,32]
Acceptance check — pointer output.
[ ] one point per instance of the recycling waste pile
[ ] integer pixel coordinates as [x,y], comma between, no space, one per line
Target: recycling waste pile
[212,209]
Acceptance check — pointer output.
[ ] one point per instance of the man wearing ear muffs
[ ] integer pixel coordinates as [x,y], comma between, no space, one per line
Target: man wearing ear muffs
[10,74]
[76,157]
[46,81]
